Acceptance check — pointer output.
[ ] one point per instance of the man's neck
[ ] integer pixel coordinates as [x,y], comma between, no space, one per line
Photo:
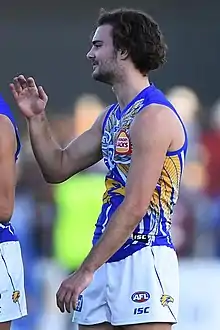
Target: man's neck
[126,90]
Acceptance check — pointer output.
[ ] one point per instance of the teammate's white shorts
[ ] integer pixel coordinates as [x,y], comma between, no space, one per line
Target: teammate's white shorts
[142,288]
[12,294]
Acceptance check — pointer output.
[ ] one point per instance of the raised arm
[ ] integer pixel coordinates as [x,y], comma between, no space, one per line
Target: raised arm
[56,164]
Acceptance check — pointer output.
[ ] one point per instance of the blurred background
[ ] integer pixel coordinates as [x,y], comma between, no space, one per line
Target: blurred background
[50,41]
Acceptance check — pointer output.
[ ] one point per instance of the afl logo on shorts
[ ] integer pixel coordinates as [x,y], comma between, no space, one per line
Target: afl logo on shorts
[123,145]
[140,296]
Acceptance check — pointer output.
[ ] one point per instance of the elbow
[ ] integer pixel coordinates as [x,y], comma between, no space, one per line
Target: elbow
[57,174]
[52,179]
[49,178]
[136,209]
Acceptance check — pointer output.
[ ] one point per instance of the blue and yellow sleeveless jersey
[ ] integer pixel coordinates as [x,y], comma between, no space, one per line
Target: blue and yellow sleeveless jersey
[117,149]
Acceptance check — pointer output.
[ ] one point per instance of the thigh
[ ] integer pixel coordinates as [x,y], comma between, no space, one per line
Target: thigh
[5,326]
[149,326]
[101,326]
[143,288]
[13,301]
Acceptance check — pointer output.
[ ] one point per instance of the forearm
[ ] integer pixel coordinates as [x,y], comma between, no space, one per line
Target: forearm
[119,229]
[46,150]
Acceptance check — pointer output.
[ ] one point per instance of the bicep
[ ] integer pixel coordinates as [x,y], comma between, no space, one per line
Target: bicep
[87,147]
[144,173]
[150,144]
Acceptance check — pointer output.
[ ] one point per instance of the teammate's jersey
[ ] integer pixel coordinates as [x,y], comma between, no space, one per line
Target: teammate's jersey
[154,228]
[6,229]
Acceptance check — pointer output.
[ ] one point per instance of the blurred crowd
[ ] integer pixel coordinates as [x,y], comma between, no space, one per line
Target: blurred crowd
[55,223]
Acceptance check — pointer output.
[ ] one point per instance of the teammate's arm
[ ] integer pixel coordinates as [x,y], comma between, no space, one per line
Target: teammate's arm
[8,146]
[151,136]
[56,164]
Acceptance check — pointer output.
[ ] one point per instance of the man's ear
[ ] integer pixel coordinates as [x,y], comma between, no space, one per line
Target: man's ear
[123,54]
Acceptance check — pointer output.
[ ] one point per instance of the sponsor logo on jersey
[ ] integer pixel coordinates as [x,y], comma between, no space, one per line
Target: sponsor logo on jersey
[123,145]
[140,296]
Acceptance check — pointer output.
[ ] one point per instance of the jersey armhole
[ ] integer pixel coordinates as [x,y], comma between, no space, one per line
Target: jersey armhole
[185,144]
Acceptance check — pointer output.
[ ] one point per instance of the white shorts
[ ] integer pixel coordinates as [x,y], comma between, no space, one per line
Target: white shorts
[142,288]
[12,294]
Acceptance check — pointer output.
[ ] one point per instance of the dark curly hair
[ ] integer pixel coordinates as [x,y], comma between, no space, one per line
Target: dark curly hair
[138,34]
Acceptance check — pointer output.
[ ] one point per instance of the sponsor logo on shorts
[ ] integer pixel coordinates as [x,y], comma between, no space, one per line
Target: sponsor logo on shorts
[79,303]
[166,299]
[141,310]
[15,296]
[140,296]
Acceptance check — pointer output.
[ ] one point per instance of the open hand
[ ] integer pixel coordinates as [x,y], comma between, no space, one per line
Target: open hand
[30,98]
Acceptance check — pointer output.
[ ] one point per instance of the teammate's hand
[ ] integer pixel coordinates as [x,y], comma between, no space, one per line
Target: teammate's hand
[71,288]
[30,98]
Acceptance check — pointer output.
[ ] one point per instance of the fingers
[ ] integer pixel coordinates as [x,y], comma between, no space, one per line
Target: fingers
[13,90]
[74,301]
[42,94]
[65,299]
[22,81]
[31,83]
[17,85]
[60,298]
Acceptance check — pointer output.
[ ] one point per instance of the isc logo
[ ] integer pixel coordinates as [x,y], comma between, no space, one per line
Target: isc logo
[141,310]
[140,238]
[140,296]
